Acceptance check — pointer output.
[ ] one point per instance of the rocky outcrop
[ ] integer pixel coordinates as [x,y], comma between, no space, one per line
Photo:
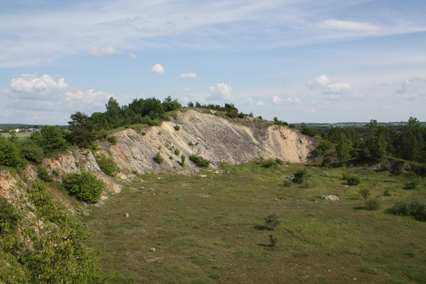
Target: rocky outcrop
[212,137]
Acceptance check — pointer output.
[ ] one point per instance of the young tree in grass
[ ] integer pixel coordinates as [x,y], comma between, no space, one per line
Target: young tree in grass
[364,192]
[271,221]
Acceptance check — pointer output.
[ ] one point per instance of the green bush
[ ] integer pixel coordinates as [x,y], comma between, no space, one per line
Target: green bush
[158,159]
[31,151]
[351,179]
[112,140]
[279,162]
[177,127]
[177,152]
[326,162]
[386,193]
[43,174]
[84,186]
[9,216]
[102,134]
[323,147]
[364,192]
[372,204]
[299,176]
[287,183]
[182,160]
[107,165]
[268,163]
[9,153]
[271,221]
[199,161]
[272,240]
[411,185]
[415,208]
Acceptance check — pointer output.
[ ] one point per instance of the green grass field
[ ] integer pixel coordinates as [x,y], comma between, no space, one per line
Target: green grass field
[20,135]
[211,229]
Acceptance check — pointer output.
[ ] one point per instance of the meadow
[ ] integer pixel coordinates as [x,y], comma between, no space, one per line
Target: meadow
[210,228]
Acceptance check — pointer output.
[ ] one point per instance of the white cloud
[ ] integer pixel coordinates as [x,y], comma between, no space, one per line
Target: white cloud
[188,75]
[157,69]
[222,91]
[280,81]
[348,25]
[276,99]
[36,94]
[132,55]
[295,100]
[329,85]
[309,111]
[259,103]
[413,88]
[103,51]
[185,89]
[248,101]
[386,107]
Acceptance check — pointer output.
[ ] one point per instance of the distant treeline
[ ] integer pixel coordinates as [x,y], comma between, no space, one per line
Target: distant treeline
[376,142]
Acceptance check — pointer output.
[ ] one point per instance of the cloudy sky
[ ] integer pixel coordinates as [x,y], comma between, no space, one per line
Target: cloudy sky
[298,60]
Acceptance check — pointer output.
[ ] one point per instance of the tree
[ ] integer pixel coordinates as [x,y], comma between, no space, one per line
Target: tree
[271,221]
[380,144]
[31,151]
[82,131]
[53,138]
[364,192]
[343,148]
[9,153]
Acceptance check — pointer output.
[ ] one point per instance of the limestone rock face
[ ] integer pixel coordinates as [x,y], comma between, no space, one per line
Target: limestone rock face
[212,137]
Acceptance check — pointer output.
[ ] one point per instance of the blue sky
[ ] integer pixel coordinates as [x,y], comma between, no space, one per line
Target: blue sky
[298,60]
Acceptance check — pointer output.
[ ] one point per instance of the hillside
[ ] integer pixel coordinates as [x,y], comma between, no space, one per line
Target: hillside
[214,138]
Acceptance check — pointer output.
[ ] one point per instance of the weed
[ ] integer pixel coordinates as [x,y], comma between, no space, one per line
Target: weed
[364,192]
[372,204]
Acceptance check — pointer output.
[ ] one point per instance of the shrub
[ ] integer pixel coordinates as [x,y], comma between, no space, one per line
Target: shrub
[177,152]
[31,151]
[199,161]
[415,208]
[84,186]
[287,183]
[112,140]
[372,204]
[364,192]
[279,161]
[386,193]
[268,163]
[351,179]
[326,162]
[107,165]
[177,127]
[271,221]
[272,240]
[158,159]
[322,147]
[102,134]
[411,185]
[43,174]
[299,176]
[182,160]
[8,216]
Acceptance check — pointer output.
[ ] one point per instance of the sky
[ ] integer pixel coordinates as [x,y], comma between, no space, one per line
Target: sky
[298,60]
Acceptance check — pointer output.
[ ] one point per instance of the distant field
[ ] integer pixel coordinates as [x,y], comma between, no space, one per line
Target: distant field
[19,134]
[211,229]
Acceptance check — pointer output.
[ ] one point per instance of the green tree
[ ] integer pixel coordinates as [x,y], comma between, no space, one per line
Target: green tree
[53,138]
[31,151]
[380,144]
[9,153]
[82,131]
[343,149]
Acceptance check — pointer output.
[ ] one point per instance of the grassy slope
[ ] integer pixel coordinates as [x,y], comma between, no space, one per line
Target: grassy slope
[209,230]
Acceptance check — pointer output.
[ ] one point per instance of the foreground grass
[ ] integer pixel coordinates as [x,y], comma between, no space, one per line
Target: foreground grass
[211,229]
